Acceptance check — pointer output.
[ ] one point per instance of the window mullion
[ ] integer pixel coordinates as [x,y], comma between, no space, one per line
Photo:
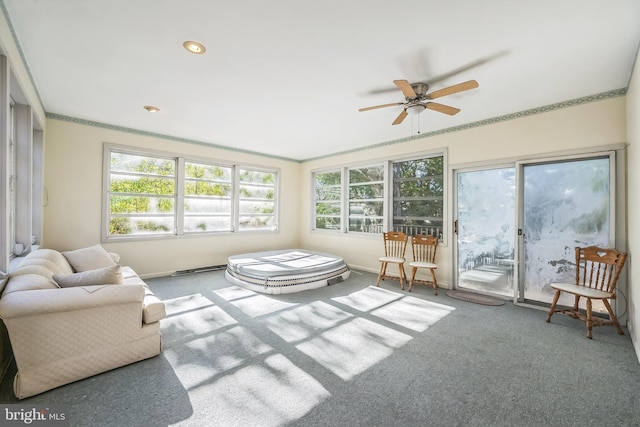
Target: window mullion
[179,197]
[345,200]
[235,205]
[387,219]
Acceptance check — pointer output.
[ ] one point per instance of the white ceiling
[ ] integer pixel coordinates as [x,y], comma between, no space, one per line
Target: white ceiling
[286,77]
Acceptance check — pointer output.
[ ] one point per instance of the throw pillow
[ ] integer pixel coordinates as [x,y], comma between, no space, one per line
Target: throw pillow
[102,276]
[89,258]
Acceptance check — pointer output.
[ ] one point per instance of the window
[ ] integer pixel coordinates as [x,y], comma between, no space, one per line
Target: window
[12,178]
[142,195]
[328,200]
[21,190]
[150,195]
[414,202]
[208,198]
[257,205]
[418,196]
[366,199]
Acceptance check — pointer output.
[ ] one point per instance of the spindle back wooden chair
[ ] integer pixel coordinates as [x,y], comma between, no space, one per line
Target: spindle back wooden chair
[424,256]
[597,273]
[395,246]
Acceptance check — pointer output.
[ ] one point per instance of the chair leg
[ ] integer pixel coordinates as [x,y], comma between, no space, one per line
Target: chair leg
[435,282]
[553,306]
[613,317]
[413,277]
[589,319]
[383,269]
[403,275]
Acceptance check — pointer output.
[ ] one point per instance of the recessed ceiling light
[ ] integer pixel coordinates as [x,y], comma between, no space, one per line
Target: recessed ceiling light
[194,47]
[151,108]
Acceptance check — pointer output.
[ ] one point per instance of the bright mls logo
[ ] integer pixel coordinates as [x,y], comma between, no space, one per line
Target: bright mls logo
[34,415]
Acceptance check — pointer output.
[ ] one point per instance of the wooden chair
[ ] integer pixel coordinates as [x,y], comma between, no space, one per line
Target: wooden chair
[395,245]
[424,256]
[597,272]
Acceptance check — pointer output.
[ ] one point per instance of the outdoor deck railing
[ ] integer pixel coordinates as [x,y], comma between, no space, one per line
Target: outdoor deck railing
[411,230]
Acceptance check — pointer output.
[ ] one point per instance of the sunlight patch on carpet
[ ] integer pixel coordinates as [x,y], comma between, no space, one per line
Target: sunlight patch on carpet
[185,304]
[258,305]
[192,317]
[201,361]
[232,293]
[353,347]
[369,298]
[403,310]
[272,393]
[305,321]
[413,313]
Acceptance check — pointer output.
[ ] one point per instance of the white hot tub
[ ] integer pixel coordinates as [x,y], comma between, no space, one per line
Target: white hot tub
[285,271]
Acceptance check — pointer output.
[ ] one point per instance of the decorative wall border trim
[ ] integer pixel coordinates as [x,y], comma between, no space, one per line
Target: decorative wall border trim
[107,126]
[525,113]
[518,115]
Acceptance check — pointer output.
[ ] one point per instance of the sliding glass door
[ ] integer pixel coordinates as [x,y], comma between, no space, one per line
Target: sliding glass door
[565,204]
[517,226]
[485,230]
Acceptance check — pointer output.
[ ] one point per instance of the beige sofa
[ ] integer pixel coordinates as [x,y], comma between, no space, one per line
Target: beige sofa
[71,315]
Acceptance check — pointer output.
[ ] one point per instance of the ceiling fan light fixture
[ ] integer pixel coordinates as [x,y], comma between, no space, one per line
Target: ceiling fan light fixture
[415,109]
[194,47]
[151,108]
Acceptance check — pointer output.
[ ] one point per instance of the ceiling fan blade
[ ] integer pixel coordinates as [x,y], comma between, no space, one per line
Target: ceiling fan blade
[400,117]
[406,88]
[441,108]
[466,67]
[471,84]
[395,104]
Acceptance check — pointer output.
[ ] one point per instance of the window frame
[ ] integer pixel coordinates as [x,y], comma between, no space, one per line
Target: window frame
[174,196]
[340,202]
[230,197]
[238,212]
[180,179]
[411,229]
[388,199]
[12,176]
[375,227]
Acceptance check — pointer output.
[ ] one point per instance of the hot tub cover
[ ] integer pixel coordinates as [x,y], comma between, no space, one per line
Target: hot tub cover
[285,271]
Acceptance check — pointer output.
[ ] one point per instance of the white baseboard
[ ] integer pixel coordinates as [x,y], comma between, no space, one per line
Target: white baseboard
[375,271]
[636,344]
[154,275]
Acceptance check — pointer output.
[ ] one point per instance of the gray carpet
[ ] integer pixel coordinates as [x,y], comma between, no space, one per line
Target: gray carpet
[355,355]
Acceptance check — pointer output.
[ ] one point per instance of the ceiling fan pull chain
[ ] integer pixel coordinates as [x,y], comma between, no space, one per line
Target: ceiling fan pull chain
[415,125]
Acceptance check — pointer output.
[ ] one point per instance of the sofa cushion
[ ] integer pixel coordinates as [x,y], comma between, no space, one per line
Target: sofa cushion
[48,257]
[111,275]
[50,266]
[41,268]
[26,282]
[90,258]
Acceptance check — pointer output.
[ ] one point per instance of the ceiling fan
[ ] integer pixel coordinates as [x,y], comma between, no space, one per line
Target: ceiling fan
[417,99]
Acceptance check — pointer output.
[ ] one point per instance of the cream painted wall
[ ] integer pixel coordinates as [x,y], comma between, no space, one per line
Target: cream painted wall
[73,212]
[633,202]
[595,124]
[73,205]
